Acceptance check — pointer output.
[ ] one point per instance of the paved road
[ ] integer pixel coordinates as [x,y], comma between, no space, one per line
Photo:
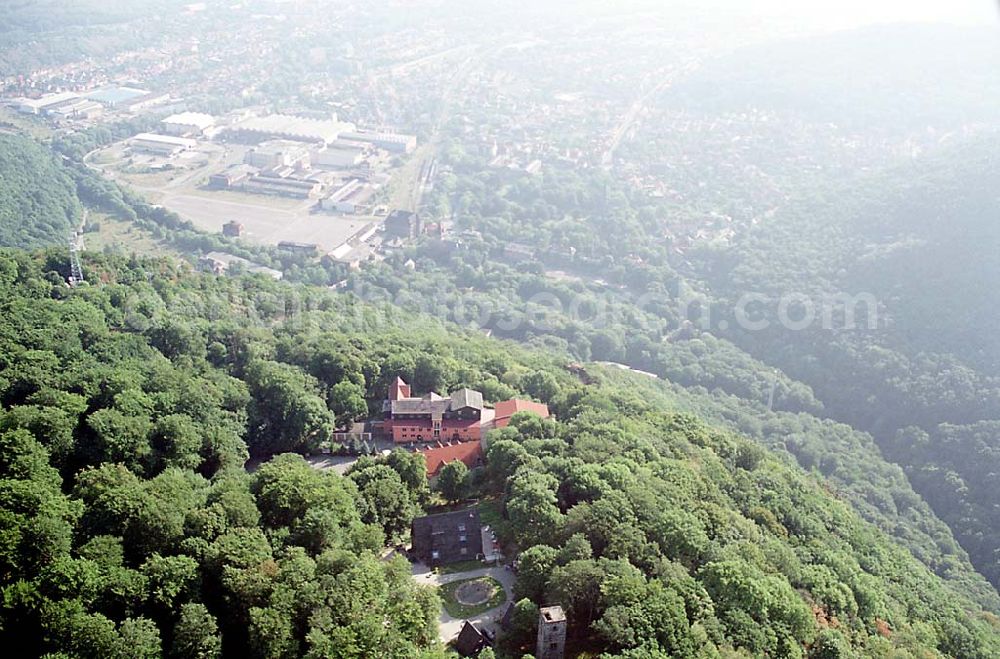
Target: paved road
[448,627]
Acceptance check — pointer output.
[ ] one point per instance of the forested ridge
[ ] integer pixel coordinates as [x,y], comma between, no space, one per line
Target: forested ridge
[923,241]
[38,201]
[130,527]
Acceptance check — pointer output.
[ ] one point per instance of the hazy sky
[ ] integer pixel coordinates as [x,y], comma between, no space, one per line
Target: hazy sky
[791,16]
[861,12]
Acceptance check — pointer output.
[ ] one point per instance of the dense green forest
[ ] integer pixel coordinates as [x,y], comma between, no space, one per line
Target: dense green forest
[922,240]
[618,298]
[130,527]
[38,201]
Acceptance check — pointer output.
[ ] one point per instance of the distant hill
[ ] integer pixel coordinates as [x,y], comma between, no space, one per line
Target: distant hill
[38,202]
[895,77]
[923,240]
[41,15]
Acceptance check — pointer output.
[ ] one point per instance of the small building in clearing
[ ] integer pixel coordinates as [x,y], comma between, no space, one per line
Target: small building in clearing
[470,640]
[232,229]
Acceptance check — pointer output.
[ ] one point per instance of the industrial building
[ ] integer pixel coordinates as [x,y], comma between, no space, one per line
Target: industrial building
[309,249]
[187,123]
[352,197]
[279,183]
[127,98]
[351,256]
[278,153]
[354,251]
[338,157]
[392,142]
[39,105]
[289,127]
[402,224]
[161,145]
[78,108]
[231,176]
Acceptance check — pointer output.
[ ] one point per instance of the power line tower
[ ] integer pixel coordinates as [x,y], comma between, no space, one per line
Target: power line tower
[774,385]
[75,266]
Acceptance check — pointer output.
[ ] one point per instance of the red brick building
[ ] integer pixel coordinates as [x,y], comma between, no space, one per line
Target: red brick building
[432,418]
[444,429]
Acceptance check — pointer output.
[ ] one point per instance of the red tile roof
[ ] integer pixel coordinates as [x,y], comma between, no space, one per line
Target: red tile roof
[509,408]
[438,456]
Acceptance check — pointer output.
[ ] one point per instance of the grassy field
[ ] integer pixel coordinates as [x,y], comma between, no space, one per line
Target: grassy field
[121,236]
[457,610]
[33,126]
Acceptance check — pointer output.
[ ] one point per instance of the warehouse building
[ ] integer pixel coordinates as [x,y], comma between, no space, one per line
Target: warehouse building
[127,98]
[187,124]
[43,104]
[309,249]
[353,197]
[278,153]
[76,108]
[275,183]
[338,157]
[289,127]
[161,145]
[231,176]
[392,142]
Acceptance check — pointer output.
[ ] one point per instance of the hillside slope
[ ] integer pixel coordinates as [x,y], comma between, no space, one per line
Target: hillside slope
[38,203]
[923,241]
[129,527]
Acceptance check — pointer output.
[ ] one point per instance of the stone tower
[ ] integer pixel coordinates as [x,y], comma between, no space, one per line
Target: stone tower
[551,633]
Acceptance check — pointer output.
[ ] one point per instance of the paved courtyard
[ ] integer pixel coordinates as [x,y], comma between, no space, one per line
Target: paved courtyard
[448,627]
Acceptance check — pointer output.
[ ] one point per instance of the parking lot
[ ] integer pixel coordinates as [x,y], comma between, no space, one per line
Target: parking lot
[266,220]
